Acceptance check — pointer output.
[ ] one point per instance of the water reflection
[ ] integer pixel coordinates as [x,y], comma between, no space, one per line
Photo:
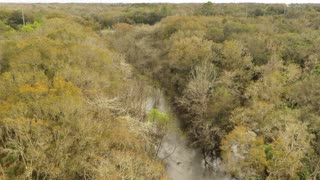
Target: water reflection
[182,162]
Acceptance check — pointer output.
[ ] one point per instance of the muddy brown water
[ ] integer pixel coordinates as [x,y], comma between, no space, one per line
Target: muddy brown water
[182,161]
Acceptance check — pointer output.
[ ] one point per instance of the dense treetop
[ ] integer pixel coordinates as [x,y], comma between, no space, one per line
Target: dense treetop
[243,78]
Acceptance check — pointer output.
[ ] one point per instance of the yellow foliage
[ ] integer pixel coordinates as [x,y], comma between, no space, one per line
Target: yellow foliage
[24,122]
[129,139]
[36,88]
[4,107]
[60,85]
[288,150]
[47,127]
[172,24]
[243,153]
[123,28]
[128,163]
[186,52]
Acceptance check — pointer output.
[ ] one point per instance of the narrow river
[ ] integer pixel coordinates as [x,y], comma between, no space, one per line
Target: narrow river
[182,161]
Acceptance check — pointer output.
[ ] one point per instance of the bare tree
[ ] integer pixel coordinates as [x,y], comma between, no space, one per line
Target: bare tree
[23,19]
[195,101]
[197,93]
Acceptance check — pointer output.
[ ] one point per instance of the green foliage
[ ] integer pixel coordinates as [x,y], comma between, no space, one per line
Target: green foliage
[215,34]
[15,20]
[173,24]
[268,152]
[30,27]
[151,18]
[62,109]
[244,153]
[253,83]
[243,79]
[317,70]
[155,116]
[207,9]
[264,63]
[4,27]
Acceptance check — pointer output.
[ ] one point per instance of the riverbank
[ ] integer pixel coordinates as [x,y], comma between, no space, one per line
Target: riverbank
[182,161]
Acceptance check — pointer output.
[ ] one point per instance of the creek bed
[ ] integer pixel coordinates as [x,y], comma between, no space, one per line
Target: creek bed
[182,161]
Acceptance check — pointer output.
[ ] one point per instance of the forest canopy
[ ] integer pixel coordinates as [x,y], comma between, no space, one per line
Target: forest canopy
[243,79]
